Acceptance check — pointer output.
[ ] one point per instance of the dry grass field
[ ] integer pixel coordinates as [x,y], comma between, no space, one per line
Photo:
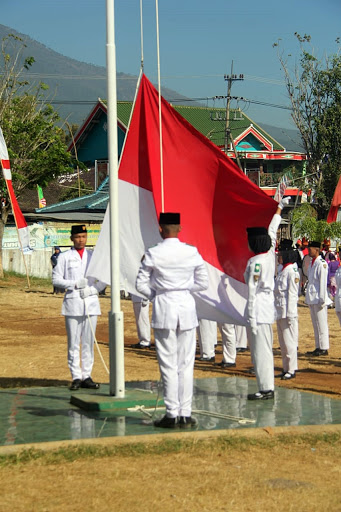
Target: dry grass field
[267,471]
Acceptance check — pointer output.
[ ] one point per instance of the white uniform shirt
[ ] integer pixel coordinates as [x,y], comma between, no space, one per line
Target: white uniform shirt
[170,271]
[338,290]
[69,269]
[260,279]
[316,292]
[286,292]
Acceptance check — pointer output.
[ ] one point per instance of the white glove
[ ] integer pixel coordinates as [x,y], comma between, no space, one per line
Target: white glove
[290,321]
[87,291]
[283,202]
[81,283]
[144,302]
[322,302]
[254,327]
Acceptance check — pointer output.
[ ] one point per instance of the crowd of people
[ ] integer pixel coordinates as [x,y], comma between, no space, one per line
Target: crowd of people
[276,275]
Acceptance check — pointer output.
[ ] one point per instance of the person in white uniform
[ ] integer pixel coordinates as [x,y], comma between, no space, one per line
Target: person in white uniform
[286,297]
[141,313]
[318,300]
[169,273]
[260,309]
[207,338]
[338,294]
[80,300]
[229,345]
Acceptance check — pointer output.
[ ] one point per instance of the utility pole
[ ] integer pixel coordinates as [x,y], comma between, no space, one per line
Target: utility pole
[228,135]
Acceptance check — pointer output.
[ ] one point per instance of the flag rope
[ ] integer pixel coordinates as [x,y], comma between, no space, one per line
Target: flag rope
[160,116]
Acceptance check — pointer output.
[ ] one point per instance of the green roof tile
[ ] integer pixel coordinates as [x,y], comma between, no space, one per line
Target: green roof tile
[209,121]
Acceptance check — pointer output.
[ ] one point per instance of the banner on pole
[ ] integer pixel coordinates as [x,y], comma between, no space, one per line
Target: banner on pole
[20,221]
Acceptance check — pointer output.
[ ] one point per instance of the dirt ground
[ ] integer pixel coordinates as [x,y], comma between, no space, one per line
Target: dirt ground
[282,477]
[33,345]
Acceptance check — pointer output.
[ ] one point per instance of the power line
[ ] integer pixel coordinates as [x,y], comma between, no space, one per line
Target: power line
[178,100]
[253,78]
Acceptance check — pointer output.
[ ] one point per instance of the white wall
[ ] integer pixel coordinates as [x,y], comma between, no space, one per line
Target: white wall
[38,262]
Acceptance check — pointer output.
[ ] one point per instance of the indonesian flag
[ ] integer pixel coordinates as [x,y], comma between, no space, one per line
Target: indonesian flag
[23,230]
[335,204]
[41,198]
[216,200]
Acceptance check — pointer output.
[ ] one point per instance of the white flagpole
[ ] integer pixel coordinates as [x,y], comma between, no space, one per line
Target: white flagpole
[116,329]
[160,113]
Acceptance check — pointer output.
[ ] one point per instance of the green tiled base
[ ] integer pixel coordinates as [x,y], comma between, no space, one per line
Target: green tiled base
[101,402]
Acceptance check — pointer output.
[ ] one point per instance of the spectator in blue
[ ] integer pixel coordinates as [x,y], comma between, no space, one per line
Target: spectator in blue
[54,259]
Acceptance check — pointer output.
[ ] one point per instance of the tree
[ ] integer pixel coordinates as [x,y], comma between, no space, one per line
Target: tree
[314,89]
[305,224]
[36,145]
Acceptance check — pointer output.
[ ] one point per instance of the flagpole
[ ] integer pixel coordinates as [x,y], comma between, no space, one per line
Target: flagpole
[21,247]
[116,330]
[160,112]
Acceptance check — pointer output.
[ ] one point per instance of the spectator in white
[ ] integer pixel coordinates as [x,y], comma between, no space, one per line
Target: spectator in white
[338,294]
[80,307]
[318,300]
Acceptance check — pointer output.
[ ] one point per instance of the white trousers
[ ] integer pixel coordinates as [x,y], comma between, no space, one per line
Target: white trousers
[78,331]
[262,357]
[229,340]
[176,353]
[288,340]
[319,318]
[207,337]
[141,312]
[241,336]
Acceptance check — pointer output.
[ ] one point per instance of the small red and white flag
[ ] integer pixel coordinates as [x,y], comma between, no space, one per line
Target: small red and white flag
[216,200]
[20,221]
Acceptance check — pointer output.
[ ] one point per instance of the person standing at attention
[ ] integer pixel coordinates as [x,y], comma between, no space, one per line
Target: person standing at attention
[169,273]
[80,307]
[286,297]
[260,308]
[317,298]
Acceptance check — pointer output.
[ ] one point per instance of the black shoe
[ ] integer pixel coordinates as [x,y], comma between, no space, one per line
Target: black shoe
[207,359]
[89,384]
[187,422]
[288,376]
[139,345]
[166,422]
[227,365]
[279,376]
[313,352]
[240,350]
[322,352]
[317,352]
[262,395]
[75,384]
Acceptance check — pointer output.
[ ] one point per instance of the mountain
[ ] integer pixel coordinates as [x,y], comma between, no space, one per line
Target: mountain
[76,86]
[289,138]
[77,83]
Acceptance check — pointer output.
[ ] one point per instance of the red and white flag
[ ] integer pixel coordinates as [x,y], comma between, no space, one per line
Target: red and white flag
[23,230]
[216,200]
[335,204]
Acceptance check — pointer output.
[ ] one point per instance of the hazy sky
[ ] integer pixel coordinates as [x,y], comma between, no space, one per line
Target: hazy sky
[198,41]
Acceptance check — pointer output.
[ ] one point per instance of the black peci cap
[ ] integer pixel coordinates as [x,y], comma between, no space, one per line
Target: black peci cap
[169,218]
[79,228]
[315,244]
[285,245]
[256,231]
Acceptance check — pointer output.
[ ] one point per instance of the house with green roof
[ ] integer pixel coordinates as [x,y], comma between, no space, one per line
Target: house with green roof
[261,156]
